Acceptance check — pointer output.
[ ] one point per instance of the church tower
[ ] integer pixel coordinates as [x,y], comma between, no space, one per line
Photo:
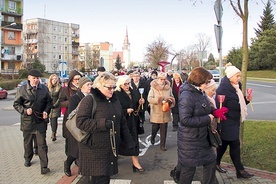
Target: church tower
[126,51]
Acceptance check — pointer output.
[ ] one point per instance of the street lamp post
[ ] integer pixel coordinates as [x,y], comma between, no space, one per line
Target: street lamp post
[1,27]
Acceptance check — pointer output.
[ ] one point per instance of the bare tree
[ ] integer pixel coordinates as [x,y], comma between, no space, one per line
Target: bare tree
[157,51]
[203,42]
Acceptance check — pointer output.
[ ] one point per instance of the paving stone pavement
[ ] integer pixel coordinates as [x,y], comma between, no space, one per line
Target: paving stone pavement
[13,171]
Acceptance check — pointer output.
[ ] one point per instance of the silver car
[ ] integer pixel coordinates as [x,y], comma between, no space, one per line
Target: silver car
[215,74]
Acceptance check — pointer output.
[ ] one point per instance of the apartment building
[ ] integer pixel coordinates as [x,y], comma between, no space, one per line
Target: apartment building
[52,42]
[11,12]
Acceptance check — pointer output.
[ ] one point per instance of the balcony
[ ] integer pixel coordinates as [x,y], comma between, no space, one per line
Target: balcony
[18,11]
[7,25]
[75,43]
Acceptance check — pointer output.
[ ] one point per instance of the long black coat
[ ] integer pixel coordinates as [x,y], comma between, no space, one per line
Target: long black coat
[72,143]
[99,159]
[229,128]
[39,101]
[65,95]
[132,121]
[193,146]
[176,94]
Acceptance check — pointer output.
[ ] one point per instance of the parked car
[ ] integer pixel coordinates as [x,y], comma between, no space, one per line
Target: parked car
[44,81]
[3,93]
[215,74]
[22,83]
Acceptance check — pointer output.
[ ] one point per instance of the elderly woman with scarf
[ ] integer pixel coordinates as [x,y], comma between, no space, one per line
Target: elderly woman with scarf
[159,93]
[131,105]
[229,129]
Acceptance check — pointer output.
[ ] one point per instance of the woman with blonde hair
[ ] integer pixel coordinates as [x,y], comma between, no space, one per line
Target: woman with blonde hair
[160,92]
[108,128]
[54,90]
[131,105]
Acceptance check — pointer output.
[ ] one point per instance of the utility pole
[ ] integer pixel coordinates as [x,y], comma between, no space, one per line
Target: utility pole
[218,32]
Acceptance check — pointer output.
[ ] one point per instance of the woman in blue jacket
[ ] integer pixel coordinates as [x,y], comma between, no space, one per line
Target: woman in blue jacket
[195,115]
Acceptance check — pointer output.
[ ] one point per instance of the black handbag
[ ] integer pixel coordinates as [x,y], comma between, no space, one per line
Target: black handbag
[214,138]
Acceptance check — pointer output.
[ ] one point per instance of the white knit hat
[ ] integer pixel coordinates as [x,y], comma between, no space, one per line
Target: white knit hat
[211,83]
[231,70]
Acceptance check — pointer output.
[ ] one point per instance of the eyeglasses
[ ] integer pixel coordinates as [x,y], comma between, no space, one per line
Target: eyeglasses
[127,84]
[110,87]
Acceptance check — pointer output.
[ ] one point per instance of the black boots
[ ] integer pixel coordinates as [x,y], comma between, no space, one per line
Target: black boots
[175,174]
[244,174]
[67,169]
[53,137]
[220,169]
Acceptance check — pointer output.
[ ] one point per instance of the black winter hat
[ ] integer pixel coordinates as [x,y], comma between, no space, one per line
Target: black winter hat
[101,69]
[35,73]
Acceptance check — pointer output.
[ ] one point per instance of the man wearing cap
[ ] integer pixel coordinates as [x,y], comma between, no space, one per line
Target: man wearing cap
[33,102]
[184,75]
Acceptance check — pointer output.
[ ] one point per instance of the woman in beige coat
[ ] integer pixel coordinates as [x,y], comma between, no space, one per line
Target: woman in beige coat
[159,93]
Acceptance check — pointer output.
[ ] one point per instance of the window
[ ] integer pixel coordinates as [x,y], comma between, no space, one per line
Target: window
[12,5]
[66,48]
[65,39]
[11,35]
[59,56]
[10,19]
[11,50]
[55,37]
[54,56]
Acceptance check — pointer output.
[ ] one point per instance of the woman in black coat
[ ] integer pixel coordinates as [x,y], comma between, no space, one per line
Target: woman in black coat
[195,115]
[130,105]
[85,85]
[107,127]
[229,129]
[176,83]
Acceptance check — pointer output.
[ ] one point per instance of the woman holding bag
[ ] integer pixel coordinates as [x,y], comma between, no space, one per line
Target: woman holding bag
[160,93]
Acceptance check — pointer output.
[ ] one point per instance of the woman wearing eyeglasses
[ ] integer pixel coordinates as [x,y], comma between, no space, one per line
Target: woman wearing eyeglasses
[195,115]
[65,95]
[130,104]
[160,92]
[108,127]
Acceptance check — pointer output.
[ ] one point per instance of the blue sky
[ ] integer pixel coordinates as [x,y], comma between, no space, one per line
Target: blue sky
[177,22]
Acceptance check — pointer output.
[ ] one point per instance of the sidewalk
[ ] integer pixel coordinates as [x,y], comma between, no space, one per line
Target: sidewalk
[13,171]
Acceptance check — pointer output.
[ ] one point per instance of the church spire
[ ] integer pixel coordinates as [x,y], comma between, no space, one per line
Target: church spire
[126,42]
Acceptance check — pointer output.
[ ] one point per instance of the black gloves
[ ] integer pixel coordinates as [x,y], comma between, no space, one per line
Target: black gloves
[108,124]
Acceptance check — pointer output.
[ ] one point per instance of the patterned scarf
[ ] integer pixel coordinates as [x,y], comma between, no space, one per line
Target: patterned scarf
[242,102]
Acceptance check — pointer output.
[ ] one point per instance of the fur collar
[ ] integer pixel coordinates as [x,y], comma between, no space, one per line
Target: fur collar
[98,94]
[155,85]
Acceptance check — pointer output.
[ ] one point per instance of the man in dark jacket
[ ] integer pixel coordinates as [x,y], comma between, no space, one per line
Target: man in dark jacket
[33,102]
[140,87]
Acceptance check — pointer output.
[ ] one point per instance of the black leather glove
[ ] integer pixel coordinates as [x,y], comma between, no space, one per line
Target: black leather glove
[108,124]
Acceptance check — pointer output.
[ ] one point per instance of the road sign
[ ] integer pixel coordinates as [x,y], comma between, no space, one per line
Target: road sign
[62,67]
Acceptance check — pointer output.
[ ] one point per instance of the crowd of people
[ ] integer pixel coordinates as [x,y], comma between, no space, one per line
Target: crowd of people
[188,101]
